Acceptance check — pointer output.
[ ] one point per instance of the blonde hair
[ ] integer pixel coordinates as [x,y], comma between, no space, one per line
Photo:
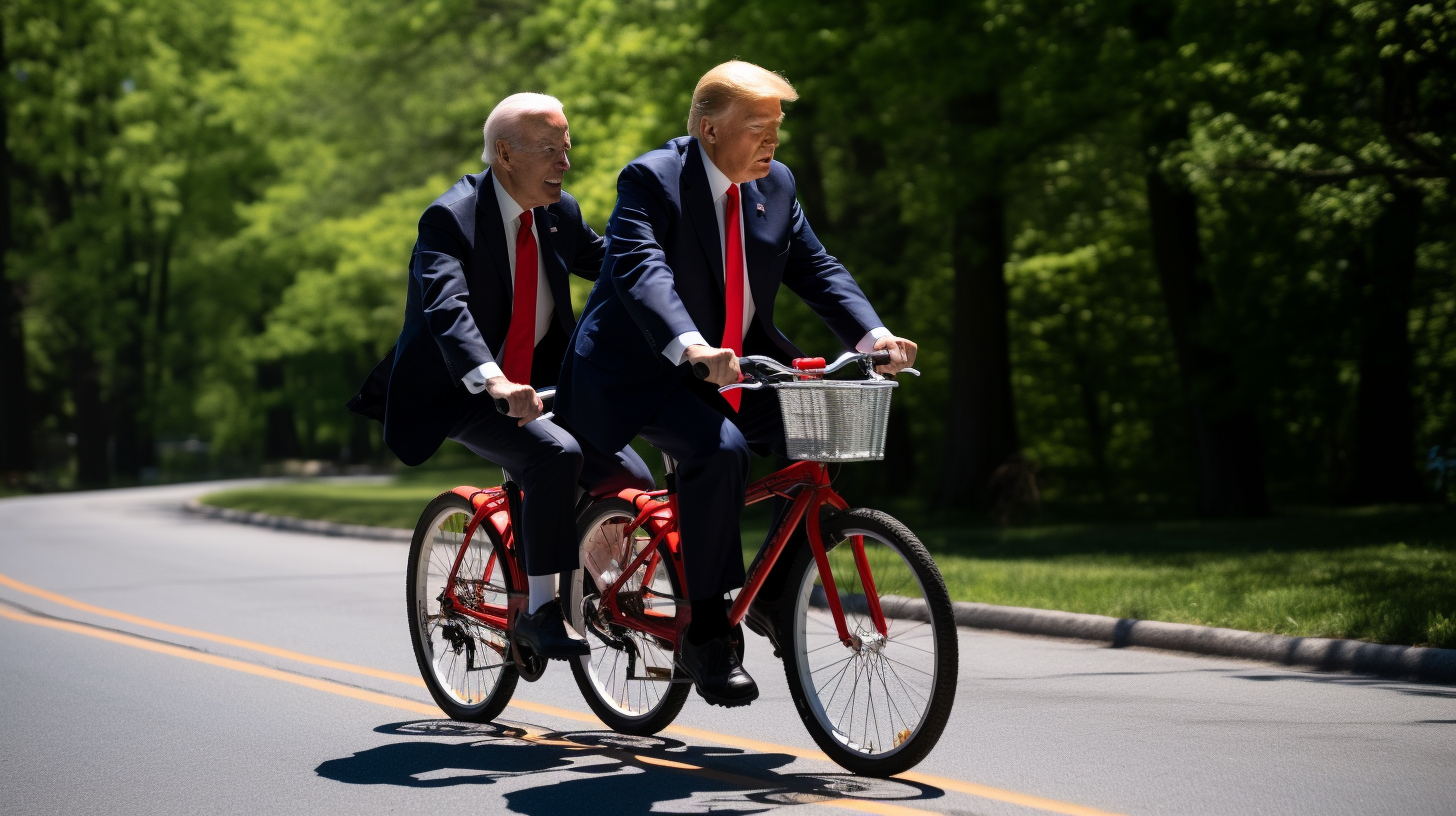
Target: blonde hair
[504,123]
[731,82]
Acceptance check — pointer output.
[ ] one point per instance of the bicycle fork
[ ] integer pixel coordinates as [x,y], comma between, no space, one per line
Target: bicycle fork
[815,491]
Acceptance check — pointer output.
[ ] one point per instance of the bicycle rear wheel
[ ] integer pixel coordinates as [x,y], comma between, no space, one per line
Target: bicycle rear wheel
[879,705]
[465,663]
[627,678]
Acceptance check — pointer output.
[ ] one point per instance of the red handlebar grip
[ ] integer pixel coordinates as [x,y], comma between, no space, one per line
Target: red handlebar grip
[808,363]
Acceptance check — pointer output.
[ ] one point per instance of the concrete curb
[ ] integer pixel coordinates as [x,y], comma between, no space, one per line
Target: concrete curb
[1325,654]
[314,526]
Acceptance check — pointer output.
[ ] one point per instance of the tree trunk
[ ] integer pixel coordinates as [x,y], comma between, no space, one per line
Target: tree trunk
[1384,444]
[981,423]
[125,411]
[1224,426]
[808,167]
[1097,430]
[280,440]
[16,453]
[92,468]
[128,366]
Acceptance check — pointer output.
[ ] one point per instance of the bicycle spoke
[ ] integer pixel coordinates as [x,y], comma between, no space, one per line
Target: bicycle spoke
[900,644]
[908,666]
[828,645]
[837,680]
[891,698]
[832,665]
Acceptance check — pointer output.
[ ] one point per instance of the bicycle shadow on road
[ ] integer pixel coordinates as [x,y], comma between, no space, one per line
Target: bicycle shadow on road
[622,773]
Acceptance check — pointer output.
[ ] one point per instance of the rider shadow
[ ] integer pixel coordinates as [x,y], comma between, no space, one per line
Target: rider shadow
[614,771]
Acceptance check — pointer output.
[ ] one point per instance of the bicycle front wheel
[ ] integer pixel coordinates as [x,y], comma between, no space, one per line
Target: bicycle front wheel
[464,662]
[628,677]
[878,704]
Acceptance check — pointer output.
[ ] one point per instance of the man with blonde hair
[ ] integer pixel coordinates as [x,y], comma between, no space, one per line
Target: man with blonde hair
[705,231]
[487,317]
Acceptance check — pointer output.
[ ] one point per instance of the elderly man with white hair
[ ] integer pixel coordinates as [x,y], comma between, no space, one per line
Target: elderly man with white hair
[487,316]
[706,230]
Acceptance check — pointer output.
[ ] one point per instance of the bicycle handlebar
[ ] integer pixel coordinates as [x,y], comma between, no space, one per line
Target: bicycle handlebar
[547,395]
[756,364]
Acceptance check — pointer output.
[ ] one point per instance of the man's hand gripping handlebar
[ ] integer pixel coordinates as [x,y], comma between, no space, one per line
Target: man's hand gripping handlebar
[520,400]
[758,371]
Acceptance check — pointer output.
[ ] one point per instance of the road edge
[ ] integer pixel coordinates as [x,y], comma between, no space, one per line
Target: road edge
[1324,654]
[314,526]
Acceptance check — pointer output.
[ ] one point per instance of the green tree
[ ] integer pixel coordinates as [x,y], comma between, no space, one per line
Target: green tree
[117,155]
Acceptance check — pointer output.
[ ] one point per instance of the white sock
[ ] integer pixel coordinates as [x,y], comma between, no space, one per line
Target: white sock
[541,590]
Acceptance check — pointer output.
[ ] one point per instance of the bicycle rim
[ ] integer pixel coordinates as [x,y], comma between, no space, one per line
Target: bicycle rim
[460,658]
[879,704]
[625,678]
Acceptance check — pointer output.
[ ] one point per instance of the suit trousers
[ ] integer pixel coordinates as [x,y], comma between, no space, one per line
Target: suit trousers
[711,444]
[548,462]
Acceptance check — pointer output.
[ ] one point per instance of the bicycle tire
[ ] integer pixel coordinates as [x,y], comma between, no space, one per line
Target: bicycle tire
[472,692]
[603,675]
[807,627]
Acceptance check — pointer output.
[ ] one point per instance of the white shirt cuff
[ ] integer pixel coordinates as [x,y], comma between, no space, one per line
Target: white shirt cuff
[474,380]
[867,343]
[674,351]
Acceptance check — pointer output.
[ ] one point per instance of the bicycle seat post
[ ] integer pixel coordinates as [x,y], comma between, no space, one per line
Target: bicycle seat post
[669,468]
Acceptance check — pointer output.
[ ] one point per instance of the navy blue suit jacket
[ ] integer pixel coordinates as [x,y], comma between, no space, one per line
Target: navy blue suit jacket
[458,309]
[663,277]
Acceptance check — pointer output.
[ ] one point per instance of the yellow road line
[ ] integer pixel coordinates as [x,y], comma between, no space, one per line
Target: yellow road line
[1001,795]
[263,648]
[224,662]
[391,701]
[946,783]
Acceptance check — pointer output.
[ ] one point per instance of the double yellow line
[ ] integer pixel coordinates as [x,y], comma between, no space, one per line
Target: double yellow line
[412,706]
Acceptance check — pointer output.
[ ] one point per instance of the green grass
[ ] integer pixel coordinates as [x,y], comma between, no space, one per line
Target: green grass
[394,504]
[1381,574]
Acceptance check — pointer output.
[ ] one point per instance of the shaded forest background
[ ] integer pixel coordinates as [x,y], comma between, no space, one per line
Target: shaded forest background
[1178,254]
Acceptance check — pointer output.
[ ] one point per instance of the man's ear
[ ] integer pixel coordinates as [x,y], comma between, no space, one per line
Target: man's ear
[503,152]
[706,131]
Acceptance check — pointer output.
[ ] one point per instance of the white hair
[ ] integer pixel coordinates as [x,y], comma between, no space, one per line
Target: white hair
[504,123]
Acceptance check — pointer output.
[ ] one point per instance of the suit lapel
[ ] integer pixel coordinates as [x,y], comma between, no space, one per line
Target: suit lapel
[757,244]
[697,200]
[557,278]
[490,232]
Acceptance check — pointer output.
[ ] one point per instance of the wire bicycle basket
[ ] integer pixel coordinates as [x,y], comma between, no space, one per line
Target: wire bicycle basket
[835,421]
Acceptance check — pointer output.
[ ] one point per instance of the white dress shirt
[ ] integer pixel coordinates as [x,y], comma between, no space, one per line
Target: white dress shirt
[474,379]
[718,185]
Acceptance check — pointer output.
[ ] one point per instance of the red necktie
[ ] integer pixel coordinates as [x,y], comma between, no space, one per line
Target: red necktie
[732,285]
[521,337]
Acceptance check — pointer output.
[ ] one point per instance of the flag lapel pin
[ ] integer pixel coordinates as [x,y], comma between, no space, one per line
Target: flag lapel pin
[760,209]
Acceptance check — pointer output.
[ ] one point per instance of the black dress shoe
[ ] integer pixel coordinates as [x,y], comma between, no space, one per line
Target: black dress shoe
[544,632]
[761,619]
[716,672]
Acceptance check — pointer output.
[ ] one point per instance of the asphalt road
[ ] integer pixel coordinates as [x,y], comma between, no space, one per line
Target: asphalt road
[153,662]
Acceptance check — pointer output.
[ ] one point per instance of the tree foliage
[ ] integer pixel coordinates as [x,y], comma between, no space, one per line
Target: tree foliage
[1172,252]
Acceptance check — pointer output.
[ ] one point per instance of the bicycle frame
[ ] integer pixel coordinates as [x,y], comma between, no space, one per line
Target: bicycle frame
[492,504]
[807,485]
